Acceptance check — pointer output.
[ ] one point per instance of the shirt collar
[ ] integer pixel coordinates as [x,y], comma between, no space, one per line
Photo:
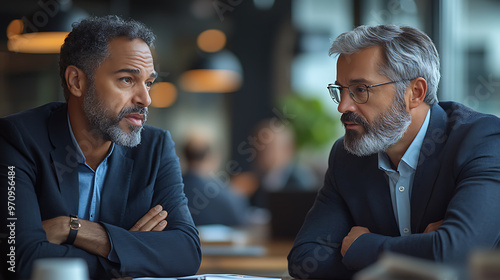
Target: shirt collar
[79,154]
[412,153]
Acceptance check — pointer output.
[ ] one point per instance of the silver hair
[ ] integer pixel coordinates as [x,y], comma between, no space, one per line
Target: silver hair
[409,53]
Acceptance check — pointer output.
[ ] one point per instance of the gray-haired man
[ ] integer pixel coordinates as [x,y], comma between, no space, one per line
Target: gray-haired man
[411,175]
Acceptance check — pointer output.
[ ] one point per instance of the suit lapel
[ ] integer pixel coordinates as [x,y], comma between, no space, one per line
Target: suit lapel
[64,158]
[428,166]
[367,193]
[116,187]
[379,198]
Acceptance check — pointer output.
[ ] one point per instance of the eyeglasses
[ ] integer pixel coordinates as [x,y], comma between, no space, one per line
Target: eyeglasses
[358,92]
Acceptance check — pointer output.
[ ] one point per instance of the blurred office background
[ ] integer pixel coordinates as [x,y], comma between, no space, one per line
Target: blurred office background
[259,59]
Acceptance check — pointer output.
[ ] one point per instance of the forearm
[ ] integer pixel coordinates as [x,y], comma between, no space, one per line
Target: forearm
[317,260]
[450,244]
[30,249]
[178,247]
[93,238]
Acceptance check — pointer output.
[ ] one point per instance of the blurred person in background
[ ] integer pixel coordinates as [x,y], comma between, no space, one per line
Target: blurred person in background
[411,175]
[91,180]
[275,167]
[210,200]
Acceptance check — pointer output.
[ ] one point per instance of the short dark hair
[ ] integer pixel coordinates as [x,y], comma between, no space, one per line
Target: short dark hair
[195,151]
[86,46]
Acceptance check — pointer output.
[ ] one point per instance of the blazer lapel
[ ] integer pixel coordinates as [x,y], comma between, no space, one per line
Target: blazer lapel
[367,193]
[428,166]
[116,187]
[379,198]
[64,158]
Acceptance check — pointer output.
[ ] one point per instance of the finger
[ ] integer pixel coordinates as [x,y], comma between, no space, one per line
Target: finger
[154,221]
[439,223]
[429,228]
[433,226]
[343,248]
[149,215]
[160,226]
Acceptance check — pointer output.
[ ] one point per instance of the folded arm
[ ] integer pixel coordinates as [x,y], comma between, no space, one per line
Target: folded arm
[468,223]
[92,237]
[357,231]
[316,253]
[174,251]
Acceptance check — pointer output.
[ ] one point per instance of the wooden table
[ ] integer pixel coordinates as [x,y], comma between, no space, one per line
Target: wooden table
[272,262]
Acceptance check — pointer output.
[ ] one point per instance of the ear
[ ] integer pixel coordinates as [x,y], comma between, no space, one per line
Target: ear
[76,80]
[416,92]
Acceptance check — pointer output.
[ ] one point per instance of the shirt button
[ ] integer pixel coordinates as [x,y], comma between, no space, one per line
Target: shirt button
[401,189]
[406,230]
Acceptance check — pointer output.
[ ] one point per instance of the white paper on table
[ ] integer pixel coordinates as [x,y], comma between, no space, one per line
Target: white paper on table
[213,277]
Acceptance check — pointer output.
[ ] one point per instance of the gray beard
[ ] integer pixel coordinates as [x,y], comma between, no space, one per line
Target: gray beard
[105,126]
[386,130]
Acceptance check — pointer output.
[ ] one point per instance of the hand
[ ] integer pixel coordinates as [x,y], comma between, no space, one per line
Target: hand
[433,226]
[355,232]
[154,220]
[57,229]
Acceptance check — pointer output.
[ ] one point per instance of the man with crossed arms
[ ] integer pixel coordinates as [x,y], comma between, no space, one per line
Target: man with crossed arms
[91,181]
[411,175]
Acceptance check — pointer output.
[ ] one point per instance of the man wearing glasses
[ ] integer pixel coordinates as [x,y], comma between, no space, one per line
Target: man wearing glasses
[411,175]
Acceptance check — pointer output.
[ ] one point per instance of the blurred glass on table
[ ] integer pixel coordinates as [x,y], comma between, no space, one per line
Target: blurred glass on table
[60,269]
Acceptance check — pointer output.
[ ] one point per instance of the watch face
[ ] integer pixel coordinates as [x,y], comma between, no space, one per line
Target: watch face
[74,223]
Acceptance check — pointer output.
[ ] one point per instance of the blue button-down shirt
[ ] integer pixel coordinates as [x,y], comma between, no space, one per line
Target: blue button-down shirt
[401,180]
[90,183]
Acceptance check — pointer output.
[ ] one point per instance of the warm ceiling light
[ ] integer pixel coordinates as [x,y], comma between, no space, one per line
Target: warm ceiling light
[40,42]
[44,30]
[218,72]
[15,28]
[210,80]
[163,94]
[211,40]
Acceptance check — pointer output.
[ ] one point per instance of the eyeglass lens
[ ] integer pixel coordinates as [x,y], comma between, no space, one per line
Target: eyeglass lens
[358,92]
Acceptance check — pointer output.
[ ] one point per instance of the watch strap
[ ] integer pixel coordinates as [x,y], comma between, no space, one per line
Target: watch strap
[72,231]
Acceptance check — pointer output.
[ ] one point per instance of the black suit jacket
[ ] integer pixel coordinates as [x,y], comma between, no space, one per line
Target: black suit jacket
[457,179]
[37,143]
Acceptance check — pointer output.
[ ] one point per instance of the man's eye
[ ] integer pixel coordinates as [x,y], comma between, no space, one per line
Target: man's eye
[127,80]
[359,89]
[149,84]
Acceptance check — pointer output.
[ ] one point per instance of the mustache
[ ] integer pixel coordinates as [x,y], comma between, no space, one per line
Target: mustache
[132,110]
[354,118]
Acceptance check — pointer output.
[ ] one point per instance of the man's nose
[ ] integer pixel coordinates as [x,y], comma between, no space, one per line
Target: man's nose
[142,97]
[346,102]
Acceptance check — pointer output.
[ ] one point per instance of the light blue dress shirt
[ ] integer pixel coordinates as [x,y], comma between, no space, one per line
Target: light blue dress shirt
[401,180]
[90,183]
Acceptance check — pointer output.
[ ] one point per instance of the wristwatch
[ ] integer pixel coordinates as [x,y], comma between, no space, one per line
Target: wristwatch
[74,225]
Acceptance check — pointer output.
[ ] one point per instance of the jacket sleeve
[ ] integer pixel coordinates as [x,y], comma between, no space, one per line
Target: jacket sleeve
[174,251]
[470,220]
[316,250]
[17,180]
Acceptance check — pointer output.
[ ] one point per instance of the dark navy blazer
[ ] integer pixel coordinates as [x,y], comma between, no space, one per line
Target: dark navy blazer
[37,143]
[457,179]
